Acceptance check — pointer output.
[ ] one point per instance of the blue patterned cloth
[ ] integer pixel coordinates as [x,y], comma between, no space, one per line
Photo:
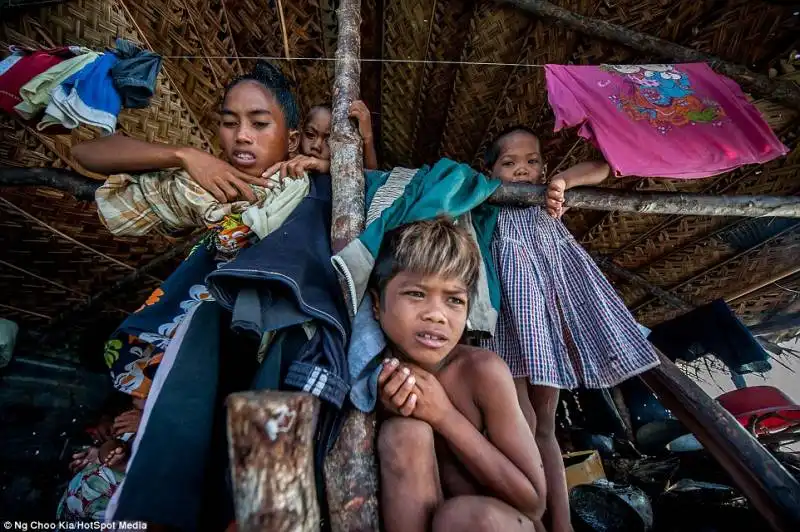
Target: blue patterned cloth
[551,290]
[136,348]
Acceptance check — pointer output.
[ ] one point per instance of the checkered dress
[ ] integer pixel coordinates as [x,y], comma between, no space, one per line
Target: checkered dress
[546,276]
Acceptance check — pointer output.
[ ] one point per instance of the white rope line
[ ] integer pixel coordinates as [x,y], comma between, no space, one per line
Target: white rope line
[328,59]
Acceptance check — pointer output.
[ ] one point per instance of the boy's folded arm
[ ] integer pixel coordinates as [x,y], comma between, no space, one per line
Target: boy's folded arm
[119,154]
[508,462]
[584,174]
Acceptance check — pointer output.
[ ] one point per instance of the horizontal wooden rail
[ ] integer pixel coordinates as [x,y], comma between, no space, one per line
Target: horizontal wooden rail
[609,199]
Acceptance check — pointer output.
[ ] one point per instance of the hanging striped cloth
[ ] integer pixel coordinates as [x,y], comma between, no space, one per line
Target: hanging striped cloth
[553,291]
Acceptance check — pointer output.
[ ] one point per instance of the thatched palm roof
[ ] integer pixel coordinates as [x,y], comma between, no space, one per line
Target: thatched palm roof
[441,77]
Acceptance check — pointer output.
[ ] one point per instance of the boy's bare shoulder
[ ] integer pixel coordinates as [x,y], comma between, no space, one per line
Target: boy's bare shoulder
[479,362]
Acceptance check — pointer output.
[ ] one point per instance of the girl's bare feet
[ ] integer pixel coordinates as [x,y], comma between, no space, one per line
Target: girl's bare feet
[83,458]
[114,454]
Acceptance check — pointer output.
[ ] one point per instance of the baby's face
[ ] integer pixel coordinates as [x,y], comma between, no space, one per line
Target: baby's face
[520,159]
[314,137]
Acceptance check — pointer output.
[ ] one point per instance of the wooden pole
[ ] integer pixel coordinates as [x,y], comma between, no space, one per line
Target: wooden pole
[347,159]
[782,90]
[772,490]
[351,478]
[608,199]
[76,184]
[346,149]
[271,448]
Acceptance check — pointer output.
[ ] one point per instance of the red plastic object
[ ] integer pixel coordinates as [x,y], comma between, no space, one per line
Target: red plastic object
[762,409]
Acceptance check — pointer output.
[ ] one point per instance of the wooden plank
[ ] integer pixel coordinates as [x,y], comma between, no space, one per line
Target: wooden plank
[271,448]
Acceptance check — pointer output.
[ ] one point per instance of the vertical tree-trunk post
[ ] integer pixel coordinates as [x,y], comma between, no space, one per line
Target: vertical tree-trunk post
[350,469]
[347,159]
[271,447]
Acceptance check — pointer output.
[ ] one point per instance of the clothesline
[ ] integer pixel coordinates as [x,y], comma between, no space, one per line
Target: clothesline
[376,60]
[333,59]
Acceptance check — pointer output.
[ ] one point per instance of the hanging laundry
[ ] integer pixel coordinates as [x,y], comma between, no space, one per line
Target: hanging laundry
[286,280]
[27,67]
[16,54]
[282,284]
[87,96]
[403,196]
[36,93]
[135,74]
[169,201]
[676,121]
[397,198]
[555,296]
[140,341]
[712,329]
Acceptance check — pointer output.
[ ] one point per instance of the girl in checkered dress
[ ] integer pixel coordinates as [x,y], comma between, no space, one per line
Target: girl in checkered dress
[561,324]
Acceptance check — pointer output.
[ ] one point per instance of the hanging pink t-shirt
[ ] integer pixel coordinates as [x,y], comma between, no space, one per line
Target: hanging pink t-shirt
[677,121]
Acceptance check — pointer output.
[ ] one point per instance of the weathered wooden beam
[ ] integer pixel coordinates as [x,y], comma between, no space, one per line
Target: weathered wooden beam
[781,90]
[271,448]
[739,268]
[82,187]
[771,489]
[351,477]
[609,199]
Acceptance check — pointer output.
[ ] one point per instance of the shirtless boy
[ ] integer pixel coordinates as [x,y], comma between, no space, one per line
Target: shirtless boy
[455,450]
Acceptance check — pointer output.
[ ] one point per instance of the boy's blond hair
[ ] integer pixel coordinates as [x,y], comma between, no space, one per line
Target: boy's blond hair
[431,247]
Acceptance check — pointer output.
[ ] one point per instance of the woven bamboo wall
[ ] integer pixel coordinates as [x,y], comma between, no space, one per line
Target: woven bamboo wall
[436,95]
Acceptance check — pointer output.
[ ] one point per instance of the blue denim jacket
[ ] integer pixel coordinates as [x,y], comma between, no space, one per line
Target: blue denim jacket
[135,74]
